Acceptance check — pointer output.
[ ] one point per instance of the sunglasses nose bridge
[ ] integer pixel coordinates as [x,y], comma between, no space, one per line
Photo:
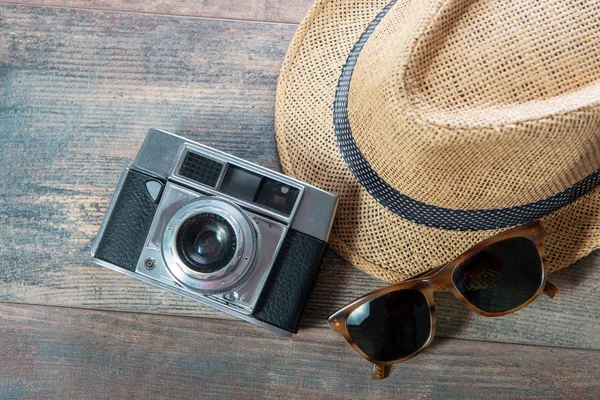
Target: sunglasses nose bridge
[436,282]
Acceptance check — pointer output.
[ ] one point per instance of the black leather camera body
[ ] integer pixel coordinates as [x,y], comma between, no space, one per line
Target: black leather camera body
[217,229]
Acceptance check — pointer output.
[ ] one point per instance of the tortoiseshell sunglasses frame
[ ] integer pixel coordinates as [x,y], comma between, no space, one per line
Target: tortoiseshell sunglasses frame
[438,278]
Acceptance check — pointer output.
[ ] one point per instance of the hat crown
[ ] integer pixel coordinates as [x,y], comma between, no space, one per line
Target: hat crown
[356,64]
[479,105]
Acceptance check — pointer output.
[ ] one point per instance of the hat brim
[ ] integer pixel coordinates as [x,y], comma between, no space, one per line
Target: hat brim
[367,234]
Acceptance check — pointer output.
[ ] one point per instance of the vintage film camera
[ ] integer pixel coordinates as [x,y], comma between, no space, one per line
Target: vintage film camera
[217,229]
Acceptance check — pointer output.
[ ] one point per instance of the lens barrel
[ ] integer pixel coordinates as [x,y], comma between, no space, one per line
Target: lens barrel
[210,245]
[206,242]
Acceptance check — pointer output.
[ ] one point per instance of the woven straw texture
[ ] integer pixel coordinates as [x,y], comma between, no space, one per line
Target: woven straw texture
[457,104]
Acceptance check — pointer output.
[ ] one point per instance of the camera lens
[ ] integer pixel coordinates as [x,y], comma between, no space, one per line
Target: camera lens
[206,242]
[209,243]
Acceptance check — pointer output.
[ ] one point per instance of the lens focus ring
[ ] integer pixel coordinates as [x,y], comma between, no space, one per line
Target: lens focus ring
[210,245]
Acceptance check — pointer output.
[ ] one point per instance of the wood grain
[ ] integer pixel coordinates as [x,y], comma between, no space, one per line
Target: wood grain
[78,91]
[289,11]
[66,353]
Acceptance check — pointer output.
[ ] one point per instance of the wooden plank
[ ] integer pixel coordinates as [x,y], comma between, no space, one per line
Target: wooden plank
[289,11]
[52,352]
[78,91]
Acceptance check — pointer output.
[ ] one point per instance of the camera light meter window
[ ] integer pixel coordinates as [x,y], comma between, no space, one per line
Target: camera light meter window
[206,242]
[277,196]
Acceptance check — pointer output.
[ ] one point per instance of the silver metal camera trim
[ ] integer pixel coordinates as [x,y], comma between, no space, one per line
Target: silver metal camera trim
[239,266]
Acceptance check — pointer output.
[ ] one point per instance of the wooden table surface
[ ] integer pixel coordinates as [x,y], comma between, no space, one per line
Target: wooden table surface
[81,82]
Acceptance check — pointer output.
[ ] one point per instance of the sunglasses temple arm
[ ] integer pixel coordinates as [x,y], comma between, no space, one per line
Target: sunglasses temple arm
[380,371]
[550,289]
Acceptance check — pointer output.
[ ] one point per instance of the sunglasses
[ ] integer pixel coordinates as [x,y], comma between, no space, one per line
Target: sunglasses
[496,277]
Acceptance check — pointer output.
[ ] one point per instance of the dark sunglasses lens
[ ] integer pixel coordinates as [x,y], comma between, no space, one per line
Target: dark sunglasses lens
[502,276]
[391,326]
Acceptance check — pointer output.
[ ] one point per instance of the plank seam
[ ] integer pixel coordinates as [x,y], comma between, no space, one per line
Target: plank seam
[219,320]
[156,14]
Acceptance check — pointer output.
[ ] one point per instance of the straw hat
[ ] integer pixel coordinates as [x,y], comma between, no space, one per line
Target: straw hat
[441,123]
